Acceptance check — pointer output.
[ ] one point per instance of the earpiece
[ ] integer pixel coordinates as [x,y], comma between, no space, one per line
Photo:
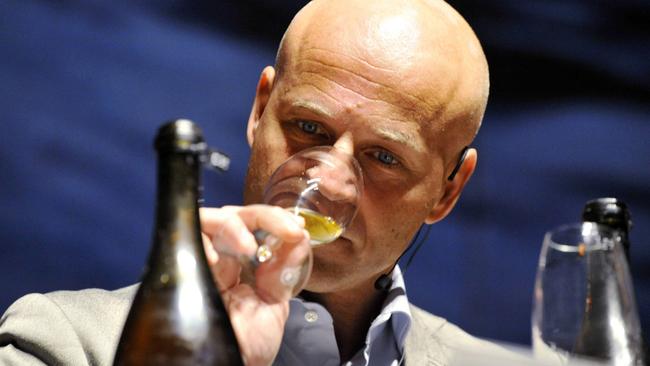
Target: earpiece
[463,154]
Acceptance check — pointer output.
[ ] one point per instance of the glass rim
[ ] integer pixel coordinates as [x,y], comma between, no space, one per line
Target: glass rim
[313,153]
[582,228]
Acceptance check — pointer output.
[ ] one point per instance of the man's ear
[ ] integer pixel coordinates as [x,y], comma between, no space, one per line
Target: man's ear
[262,94]
[453,188]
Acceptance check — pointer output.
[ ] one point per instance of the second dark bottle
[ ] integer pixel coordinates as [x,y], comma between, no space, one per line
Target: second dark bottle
[610,327]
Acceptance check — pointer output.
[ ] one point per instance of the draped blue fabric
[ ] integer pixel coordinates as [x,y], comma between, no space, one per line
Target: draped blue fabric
[85,84]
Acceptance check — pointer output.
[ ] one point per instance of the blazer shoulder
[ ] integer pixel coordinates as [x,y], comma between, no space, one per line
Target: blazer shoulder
[101,304]
[433,340]
[423,321]
[65,327]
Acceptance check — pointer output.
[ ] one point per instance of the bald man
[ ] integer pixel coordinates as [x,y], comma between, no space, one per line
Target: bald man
[401,86]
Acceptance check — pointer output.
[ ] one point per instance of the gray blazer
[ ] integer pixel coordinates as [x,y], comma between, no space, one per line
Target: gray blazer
[83,327]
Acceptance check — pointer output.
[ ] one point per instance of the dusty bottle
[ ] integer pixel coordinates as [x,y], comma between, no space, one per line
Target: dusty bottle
[610,328]
[177,316]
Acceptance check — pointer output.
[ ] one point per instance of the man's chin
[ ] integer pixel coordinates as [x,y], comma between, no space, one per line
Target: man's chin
[330,254]
[332,266]
[324,279]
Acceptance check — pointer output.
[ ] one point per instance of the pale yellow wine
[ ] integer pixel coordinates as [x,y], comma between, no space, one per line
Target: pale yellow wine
[322,229]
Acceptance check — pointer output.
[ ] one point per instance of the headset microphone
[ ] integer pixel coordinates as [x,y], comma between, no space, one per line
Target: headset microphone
[383,282]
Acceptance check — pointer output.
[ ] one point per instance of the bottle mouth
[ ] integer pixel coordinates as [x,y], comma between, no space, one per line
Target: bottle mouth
[182,136]
[608,211]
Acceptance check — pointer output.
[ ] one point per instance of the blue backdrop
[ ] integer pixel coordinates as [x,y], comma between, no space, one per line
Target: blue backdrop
[85,83]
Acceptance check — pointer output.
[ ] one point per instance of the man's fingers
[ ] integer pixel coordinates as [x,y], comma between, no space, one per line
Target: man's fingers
[211,254]
[278,222]
[228,240]
[282,277]
[232,226]
[226,230]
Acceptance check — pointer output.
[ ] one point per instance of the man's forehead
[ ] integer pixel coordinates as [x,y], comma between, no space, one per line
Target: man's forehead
[346,80]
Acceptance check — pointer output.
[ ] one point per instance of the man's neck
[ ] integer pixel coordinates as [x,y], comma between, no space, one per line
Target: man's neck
[352,310]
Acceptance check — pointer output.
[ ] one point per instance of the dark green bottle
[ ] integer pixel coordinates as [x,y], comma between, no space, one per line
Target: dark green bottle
[610,328]
[177,316]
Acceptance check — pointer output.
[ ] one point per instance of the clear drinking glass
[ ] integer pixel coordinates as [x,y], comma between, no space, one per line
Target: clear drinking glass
[583,303]
[323,185]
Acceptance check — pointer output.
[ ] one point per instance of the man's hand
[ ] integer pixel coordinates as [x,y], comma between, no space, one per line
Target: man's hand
[257,314]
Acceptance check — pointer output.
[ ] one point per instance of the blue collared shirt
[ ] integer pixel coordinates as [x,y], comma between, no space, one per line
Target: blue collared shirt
[309,333]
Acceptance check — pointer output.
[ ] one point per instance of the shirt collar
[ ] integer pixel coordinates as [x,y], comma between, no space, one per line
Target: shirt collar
[396,310]
[309,333]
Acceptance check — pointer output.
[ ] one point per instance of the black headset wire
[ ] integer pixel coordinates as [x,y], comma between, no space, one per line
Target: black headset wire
[384,281]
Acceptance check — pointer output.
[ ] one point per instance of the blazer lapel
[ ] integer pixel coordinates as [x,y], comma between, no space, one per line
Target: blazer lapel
[423,345]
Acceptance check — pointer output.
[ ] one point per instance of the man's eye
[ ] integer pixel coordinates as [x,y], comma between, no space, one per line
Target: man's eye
[385,157]
[311,128]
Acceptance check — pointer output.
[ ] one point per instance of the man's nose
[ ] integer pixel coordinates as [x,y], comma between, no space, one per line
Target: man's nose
[336,183]
[339,175]
[345,144]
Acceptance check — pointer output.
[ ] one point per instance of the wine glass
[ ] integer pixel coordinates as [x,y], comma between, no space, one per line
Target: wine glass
[583,305]
[323,185]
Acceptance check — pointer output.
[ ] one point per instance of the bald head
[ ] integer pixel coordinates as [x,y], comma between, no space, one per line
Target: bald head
[422,48]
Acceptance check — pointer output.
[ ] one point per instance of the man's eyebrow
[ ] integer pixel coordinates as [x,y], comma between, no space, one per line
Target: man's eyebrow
[312,107]
[385,133]
[392,135]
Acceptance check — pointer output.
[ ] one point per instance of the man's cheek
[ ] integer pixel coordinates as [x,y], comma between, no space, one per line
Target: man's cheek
[384,222]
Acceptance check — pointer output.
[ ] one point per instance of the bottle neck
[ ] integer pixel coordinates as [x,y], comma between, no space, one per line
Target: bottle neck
[613,213]
[622,232]
[177,220]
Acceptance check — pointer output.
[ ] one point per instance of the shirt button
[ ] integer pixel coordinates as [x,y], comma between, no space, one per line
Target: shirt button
[311,316]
